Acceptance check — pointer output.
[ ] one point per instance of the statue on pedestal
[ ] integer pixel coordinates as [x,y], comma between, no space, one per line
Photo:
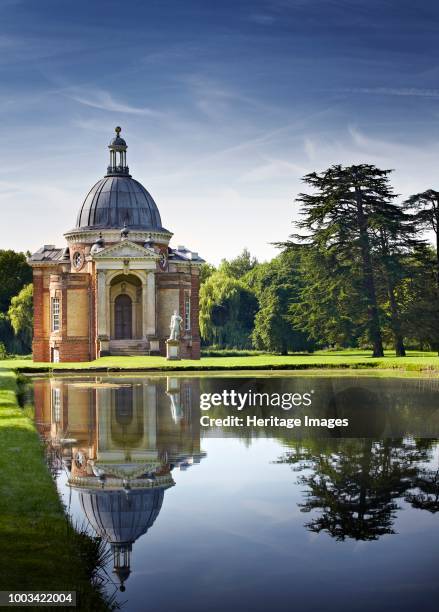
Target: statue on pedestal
[175,326]
[173,342]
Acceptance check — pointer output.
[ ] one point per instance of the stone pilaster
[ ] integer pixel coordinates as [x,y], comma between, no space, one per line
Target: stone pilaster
[102,303]
[149,304]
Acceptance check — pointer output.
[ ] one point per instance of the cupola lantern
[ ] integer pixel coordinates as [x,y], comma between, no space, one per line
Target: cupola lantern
[118,155]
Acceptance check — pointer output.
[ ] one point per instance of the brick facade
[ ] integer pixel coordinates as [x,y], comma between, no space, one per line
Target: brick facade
[40,343]
[76,339]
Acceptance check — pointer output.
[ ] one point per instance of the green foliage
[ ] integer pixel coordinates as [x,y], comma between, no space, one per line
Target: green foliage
[21,315]
[418,298]
[3,353]
[205,271]
[329,309]
[425,207]
[227,311]
[277,285]
[6,332]
[239,266]
[14,274]
[351,221]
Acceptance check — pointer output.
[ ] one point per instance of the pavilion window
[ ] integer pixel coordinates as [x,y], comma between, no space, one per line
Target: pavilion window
[187,310]
[55,311]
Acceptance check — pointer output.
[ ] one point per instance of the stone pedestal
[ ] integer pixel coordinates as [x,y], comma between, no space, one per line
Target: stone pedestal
[173,349]
[154,346]
[104,346]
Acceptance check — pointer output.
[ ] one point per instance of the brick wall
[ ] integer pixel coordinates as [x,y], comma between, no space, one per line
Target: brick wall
[40,343]
[74,350]
[75,309]
[76,298]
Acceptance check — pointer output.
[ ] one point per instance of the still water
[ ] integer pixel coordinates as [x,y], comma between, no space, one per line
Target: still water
[252,518]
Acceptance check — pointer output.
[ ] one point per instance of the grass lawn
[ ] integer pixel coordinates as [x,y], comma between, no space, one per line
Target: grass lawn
[415,361]
[39,548]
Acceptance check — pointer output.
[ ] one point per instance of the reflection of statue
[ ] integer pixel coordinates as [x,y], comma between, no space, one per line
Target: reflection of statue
[173,392]
[175,326]
[176,409]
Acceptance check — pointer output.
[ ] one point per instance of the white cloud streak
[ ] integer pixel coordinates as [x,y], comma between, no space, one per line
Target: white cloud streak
[103,100]
[393,91]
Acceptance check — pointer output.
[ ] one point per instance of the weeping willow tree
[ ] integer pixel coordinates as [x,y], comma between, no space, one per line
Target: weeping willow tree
[20,314]
[227,311]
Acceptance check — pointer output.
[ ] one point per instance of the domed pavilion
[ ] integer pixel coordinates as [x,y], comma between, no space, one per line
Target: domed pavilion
[113,288]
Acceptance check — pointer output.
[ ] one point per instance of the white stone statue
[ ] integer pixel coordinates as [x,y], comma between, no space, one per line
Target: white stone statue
[175,326]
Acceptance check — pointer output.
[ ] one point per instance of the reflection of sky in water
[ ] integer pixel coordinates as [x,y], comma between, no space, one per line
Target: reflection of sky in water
[230,533]
[230,536]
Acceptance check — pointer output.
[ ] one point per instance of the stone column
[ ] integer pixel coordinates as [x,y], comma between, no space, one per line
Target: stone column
[149,305]
[102,326]
[144,307]
[102,305]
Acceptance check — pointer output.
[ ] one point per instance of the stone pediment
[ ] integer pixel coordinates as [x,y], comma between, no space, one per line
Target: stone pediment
[126,250]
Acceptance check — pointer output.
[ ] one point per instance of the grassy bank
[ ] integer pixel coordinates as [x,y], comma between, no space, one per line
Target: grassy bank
[415,362]
[40,550]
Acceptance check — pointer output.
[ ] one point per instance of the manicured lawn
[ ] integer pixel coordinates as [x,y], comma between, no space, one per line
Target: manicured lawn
[39,549]
[415,361]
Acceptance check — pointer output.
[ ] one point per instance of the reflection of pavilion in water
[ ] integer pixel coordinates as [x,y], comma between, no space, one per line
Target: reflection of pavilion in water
[120,441]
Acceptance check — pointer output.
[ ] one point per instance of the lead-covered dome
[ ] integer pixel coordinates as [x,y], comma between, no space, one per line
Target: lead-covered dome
[118,200]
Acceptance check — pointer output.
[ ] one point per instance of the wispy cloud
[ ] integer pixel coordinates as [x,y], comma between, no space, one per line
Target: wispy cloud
[215,97]
[355,146]
[103,100]
[273,169]
[393,91]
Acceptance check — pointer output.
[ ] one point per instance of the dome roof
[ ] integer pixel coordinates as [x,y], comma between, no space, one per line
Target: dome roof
[119,517]
[116,201]
[117,142]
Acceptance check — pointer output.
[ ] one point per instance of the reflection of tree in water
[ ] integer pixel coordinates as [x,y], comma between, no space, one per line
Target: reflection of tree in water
[427,498]
[355,484]
[426,485]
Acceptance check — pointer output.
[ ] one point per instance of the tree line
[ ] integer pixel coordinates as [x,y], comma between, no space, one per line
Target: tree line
[359,271]
[16,293]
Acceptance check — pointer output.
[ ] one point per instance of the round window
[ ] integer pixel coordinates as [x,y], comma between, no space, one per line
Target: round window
[77,260]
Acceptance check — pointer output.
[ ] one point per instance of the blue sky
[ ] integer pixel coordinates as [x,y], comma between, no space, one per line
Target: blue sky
[224,105]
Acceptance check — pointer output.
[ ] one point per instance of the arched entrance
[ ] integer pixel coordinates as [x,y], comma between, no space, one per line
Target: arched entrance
[123,317]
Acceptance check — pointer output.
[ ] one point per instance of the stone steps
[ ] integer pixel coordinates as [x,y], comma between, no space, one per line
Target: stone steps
[117,353]
[128,348]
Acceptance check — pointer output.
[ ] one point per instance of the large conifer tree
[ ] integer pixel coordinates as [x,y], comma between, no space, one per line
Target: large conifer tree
[342,216]
[425,207]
